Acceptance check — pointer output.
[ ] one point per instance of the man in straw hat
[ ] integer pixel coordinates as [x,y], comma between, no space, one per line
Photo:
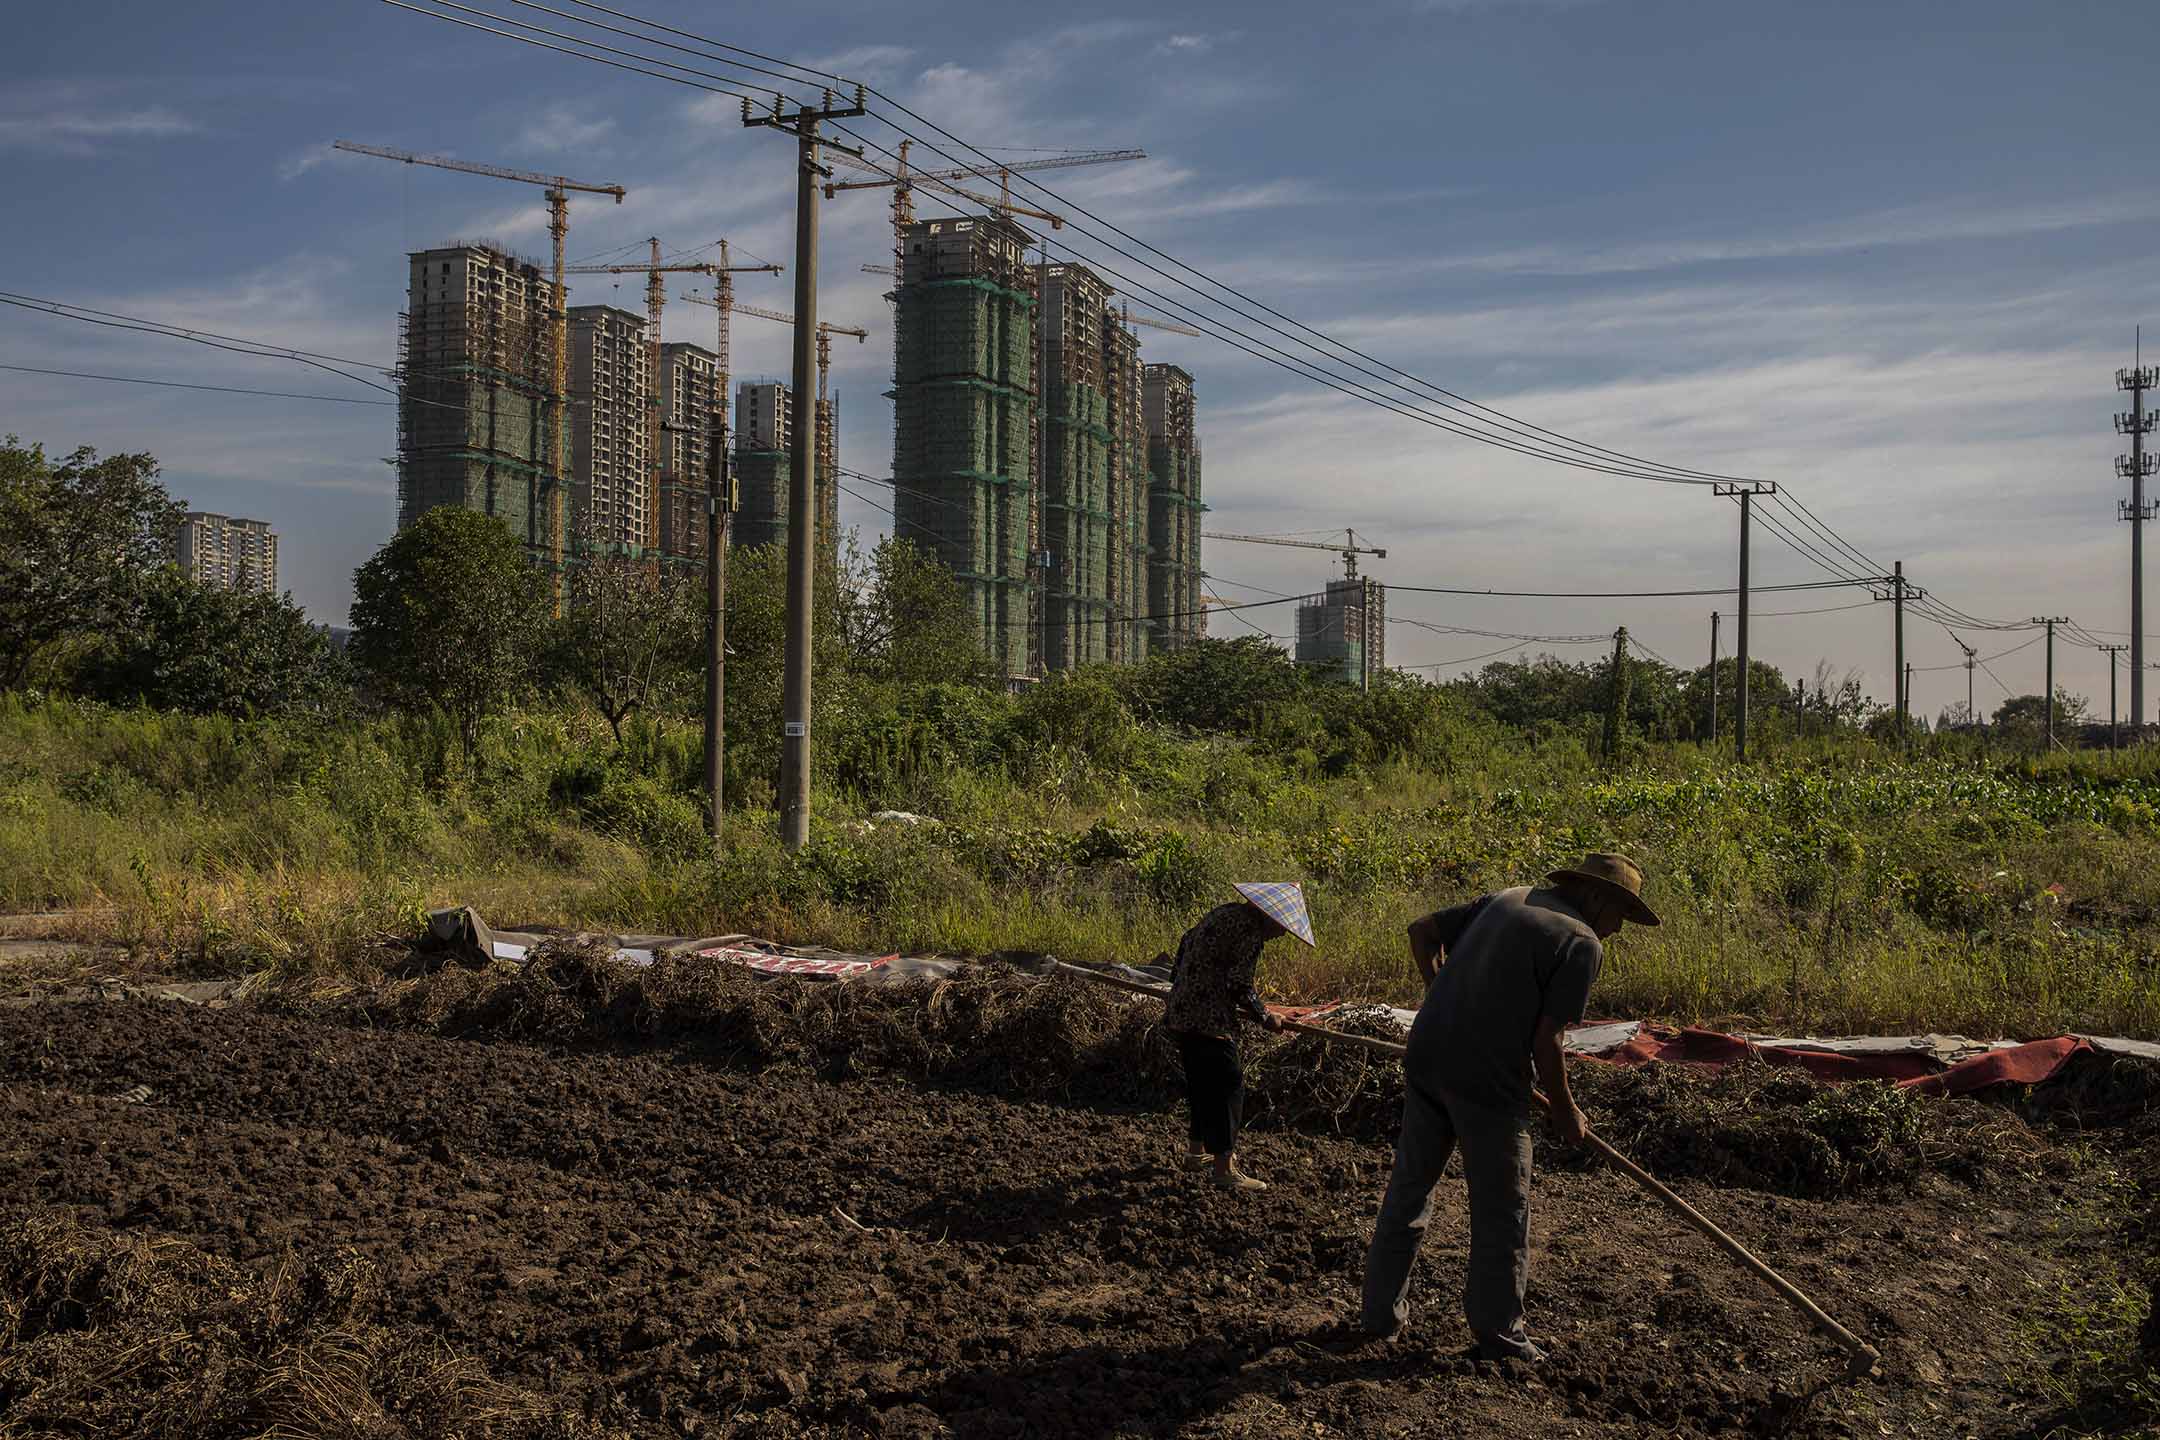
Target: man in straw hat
[1210,987]
[1505,975]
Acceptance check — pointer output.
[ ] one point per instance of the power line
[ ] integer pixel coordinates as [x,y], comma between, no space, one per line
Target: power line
[183,385]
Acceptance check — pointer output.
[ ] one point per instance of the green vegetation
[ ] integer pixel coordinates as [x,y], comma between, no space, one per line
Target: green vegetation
[217,782]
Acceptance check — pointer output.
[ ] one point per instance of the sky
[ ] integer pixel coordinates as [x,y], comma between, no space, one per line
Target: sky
[1887,255]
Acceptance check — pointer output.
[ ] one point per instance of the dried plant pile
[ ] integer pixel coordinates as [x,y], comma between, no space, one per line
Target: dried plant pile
[111,1335]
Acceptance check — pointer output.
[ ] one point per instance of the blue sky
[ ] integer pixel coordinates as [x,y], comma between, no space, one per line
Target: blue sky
[1888,254]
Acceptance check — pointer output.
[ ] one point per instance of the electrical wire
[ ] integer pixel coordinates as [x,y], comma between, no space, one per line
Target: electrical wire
[183,385]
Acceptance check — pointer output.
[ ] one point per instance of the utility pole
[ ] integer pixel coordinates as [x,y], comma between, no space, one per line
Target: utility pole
[1897,598]
[1905,695]
[1971,655]
[2134,467]
[2114,725]
[2051,621]
[802,458]
[1746,493]
[1713,677]
[719,512]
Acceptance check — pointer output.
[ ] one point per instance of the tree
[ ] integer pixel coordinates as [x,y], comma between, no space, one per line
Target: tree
[214,651]
[904,619]
[2026,715]
[75,540]
[630,635]
[450,616]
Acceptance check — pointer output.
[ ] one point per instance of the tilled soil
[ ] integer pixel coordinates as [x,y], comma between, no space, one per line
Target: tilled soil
[679,1249]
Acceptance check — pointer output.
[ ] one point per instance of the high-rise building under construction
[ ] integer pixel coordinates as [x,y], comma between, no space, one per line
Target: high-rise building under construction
[1127,591]
[1077,504]
[687,396]
[475,370]
[611,389]
[764,465]
[1174,506]
[964,438]
[1344,632]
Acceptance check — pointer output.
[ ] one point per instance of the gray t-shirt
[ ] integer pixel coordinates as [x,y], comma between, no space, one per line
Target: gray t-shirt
[1512,956]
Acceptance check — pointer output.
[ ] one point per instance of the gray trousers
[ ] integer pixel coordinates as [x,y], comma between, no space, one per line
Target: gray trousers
[1495,1148]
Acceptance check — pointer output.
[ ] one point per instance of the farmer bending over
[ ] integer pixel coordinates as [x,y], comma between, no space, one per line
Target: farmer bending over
[1505,975]
[1211,984]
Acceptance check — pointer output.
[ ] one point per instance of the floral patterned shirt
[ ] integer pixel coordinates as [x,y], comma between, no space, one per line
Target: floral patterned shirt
[1213,978]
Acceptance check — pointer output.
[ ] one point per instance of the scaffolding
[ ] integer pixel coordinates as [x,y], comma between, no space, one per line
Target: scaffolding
[1126,586]
[764,471]
[612,504]
[964,419]
[686,416]
[1078,515]
[1344,632]
[1174,507]
[476,362]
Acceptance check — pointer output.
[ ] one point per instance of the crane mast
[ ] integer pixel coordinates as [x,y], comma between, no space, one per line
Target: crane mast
[557,190]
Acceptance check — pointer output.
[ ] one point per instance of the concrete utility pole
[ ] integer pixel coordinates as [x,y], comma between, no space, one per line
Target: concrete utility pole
[2114,725]
[2051,621]
[719,513]
[1746,493]
[802,457]
[1713,676]
[1897,605]
[1970,658]
[2134,467]
[1905,696]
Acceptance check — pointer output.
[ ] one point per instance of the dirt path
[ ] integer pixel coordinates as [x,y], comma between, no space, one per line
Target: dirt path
[658,1240]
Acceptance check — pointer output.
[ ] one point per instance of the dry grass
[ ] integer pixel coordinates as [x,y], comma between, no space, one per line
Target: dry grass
[108,1335]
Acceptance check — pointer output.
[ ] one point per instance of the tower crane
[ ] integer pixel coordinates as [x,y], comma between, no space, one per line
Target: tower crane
[558,190]
[655,300]
[904,180]
[1349,550]
[825,331]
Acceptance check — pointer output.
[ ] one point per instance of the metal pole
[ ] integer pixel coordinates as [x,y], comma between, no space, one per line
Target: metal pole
[2114,727]
[1740,710]
[1906,695]
[1713,676]
[802,503]
[2137,380]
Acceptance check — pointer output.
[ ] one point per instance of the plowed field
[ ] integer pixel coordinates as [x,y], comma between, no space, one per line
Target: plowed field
[671,1247]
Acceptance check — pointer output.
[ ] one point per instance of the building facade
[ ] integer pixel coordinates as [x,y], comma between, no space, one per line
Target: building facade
[228,552]
[476,406]
[1077,505]
[1344,632]
[964,422]
[613,504]
[687,398]
[1174,506]
[764,469]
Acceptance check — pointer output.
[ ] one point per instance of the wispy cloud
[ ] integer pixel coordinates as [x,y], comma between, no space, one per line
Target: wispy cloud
[1948,221]
[865,62]
[297,164]
[564,127]
[1188,44]
[85,132]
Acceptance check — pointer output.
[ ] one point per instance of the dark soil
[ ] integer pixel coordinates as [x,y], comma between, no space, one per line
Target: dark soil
[671,1245]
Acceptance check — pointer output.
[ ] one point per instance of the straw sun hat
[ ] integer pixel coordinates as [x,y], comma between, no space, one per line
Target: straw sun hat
[1617,876]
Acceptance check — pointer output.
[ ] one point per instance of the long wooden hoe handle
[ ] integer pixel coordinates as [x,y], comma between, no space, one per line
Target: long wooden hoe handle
[1864,1356]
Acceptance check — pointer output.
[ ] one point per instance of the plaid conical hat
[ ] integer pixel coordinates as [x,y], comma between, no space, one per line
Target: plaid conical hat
[1284,903]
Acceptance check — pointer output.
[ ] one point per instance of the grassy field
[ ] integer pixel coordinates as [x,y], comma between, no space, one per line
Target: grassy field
[1832,886]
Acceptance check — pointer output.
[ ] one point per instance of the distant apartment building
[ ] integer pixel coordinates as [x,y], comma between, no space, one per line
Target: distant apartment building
[476,421]
[764,449]
[687,396]
[1344,632]
[1174,506]
[613,506]
[228,552]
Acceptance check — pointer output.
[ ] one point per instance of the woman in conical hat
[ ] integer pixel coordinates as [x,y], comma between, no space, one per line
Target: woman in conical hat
[1211,986]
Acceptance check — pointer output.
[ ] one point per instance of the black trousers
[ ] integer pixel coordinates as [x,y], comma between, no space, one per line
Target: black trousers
[1215,1090]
